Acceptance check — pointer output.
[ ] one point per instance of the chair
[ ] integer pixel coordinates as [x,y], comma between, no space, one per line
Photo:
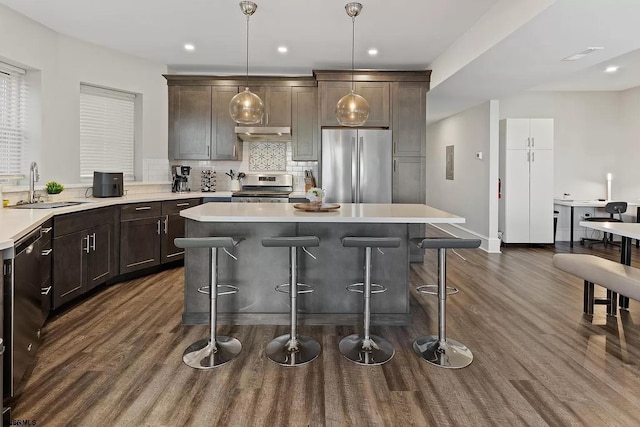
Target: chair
[612,208]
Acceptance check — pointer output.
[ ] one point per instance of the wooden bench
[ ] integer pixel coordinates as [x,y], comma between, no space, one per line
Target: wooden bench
[614,276]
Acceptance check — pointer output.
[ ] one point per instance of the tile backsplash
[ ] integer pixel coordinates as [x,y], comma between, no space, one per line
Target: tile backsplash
[246,165]
[267,156]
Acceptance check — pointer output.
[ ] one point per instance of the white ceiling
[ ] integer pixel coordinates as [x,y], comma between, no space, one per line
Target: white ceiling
[409,34]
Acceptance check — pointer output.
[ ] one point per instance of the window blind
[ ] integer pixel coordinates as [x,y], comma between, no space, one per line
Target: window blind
[13,114]
[107,126]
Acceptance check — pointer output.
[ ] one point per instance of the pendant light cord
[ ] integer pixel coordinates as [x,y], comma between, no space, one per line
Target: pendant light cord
[353,47]
[247,85]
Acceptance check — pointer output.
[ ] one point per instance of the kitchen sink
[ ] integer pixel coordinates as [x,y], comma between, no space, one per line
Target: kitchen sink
[50,205]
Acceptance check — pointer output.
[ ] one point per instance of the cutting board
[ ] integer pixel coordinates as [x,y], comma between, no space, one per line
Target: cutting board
[312,207]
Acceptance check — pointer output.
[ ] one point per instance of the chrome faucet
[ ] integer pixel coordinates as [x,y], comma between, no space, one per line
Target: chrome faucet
[34,176]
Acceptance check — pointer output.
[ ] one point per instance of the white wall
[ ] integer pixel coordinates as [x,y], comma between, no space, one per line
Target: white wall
[62,63]
[473,191]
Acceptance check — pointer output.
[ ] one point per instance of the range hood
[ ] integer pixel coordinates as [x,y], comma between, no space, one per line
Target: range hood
[264,133]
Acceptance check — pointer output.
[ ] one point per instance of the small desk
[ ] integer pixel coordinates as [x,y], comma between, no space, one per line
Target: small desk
[590,204]
[626,230]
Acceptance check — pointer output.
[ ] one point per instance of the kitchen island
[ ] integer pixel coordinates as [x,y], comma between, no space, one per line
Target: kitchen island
[258,269]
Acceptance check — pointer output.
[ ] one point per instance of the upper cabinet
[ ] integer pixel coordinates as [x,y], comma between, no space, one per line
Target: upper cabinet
[409,104]
[277,105]
[376,94]
[304,123]
[527,134]
[200,127]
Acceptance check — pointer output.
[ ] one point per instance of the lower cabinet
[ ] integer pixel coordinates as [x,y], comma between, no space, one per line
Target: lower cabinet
[84,252]
[409,176]
[147,232]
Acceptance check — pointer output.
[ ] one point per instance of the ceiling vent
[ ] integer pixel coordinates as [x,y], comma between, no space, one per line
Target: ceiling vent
[582,54]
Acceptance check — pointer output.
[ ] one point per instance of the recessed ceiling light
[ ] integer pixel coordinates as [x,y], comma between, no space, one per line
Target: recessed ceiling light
[582,54]
[189,47]
[373,52]
[282,49]
[611,69]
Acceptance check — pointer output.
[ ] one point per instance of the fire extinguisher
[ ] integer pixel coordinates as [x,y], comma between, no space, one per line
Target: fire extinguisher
[499,189]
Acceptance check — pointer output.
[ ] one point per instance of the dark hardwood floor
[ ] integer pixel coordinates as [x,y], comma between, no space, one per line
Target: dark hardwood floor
[116,359]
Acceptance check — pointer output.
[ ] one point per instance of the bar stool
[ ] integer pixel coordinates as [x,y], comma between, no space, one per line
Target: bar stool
[367,349]
[293,349]
[214,351]
[439,350]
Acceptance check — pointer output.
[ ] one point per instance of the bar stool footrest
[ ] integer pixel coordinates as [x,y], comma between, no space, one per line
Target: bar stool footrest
[424,289]
[306,289]
[359,287]
[232,290]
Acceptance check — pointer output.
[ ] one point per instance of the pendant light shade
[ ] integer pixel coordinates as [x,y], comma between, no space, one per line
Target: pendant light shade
[352,109]
[246,107]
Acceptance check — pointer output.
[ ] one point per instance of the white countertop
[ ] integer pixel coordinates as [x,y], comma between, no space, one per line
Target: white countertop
[15,223]
[348,212]
[626,229]
[589,203]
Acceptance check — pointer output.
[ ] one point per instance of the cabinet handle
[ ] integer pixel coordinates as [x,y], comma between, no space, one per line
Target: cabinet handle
[46,230]
[143,208]
[86,249]
[528,156]
[1,347]
[29,347]
[529,142]
[183,204]
[395,162]
[234,151]
[533,141]
[166,221]
[93,245]
[208,155]
[267,122]
[533,157]
[158,227]
[46,252]
[45,291]
[395,147]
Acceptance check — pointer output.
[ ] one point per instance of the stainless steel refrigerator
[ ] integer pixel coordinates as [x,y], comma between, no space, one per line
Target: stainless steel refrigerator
[356,165]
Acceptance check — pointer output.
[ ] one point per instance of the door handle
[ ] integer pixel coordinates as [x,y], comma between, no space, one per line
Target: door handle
[45,291]
[183,204]
[143,208]
[86,248]
[533,156]
[354,170]
[46,252]
[158,227]
[45,230]
[234,151]
[395,162]
[529,142]
[533,141]
[93,245]
[166,220]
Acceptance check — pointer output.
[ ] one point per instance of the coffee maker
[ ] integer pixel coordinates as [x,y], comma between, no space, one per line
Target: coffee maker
[180,179]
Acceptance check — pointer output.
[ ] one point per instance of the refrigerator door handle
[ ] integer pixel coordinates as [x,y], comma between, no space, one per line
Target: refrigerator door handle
[360,167]
[354,170]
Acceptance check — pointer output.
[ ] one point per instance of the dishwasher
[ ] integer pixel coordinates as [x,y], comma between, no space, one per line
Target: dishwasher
[22,309]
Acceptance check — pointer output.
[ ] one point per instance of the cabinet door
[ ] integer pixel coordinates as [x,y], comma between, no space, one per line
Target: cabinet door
[139,244]
[377,95]
[541,134]
[541,197]
[409,180]
[100,261]
[278,106]
[69,266]
[304,141]
[515,189]
[189,122]
[409,118]
[224,142]
[173,225]
[517,134]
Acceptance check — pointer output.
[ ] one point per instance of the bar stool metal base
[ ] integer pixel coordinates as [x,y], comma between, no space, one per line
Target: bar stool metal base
[377,352]
[279,350]
[449,354]
[201,354]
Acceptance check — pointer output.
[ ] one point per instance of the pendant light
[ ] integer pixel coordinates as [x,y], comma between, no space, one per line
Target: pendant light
[246,107]
[352,109]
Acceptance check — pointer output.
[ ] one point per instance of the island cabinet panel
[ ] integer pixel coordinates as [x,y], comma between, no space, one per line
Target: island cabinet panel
[173,227]
[277,105]
[409,105]
[304,123]
[376,94]
[140,232]
[84,250]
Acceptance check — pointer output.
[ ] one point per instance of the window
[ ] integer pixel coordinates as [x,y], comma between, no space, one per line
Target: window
[107,128]
[13,109]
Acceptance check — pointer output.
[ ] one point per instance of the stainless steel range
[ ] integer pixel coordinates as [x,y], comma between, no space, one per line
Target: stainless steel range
[264,188]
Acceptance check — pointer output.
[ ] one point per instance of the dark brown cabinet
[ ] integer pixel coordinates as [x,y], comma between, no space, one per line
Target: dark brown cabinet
[304,123]
[277,105]
[409,180]
[84,252]
[376,94]
[200,127]
[173,227]
[140,229]
[409,100]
